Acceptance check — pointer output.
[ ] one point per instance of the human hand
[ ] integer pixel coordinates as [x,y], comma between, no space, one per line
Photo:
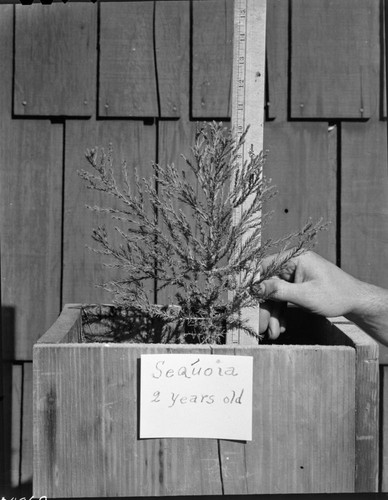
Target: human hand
[311,282]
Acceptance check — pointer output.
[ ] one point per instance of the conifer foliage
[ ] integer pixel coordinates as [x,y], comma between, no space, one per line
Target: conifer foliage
[200,240]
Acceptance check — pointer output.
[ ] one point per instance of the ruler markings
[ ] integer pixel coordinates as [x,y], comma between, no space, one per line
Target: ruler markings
[248,103]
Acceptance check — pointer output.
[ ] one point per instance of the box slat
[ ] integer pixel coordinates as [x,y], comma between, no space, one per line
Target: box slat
[367,407]
[303,423]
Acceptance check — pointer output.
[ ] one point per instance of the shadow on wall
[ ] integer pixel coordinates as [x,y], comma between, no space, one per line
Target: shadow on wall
[15,416]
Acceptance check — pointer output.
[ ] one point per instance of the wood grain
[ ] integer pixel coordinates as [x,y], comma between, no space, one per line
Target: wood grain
[2,403]
[7,455]
[16,430]
[383,60]
[127,80]
[131,141]
[4,483]
[277,59]
[26,444]
[170,52]
[30,215]
[16,439]
[248,98]
[55,66]
[384,443]
[364,201]
[175,137]
[367,408]
[31,182]
[167,466]
[66,329]
[31,158]
[193,464]
[98,456]
[298,163]
[212,59]
[30,187]
[314,407]
[335,59]
[303,423]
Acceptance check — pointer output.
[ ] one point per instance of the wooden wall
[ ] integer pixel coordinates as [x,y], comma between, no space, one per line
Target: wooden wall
[139,74]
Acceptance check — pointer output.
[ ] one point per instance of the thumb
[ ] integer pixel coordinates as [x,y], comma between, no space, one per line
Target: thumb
[281,290]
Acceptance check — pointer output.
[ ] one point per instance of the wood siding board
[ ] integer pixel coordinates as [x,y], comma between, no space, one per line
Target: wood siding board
[127,79]
[277,59]
[335,58]
[8,16]
[30,187]
[4,454]
[11,416]
[212,59]
[170,51]
[6,60]
[298,163]
[6,54]
[30,214]
[364,201]
[16,429]
[31,193]
[55,60]
[175,139]
[131,141]
[16,439]
[177,136]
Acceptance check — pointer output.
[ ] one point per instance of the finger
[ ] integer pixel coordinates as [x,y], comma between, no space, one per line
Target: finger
[286,270]
[264,316]
[283,325]
[276,324]
[280,290]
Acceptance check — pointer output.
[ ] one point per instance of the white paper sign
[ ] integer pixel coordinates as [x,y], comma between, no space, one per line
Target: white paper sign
[196,396]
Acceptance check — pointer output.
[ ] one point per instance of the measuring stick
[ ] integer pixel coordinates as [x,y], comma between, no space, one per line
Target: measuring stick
[248,103]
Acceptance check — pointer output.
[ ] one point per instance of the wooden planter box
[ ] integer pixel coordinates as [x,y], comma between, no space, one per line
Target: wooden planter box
[315,418]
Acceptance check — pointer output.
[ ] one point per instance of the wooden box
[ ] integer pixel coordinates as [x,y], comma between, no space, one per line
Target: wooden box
[315,418]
